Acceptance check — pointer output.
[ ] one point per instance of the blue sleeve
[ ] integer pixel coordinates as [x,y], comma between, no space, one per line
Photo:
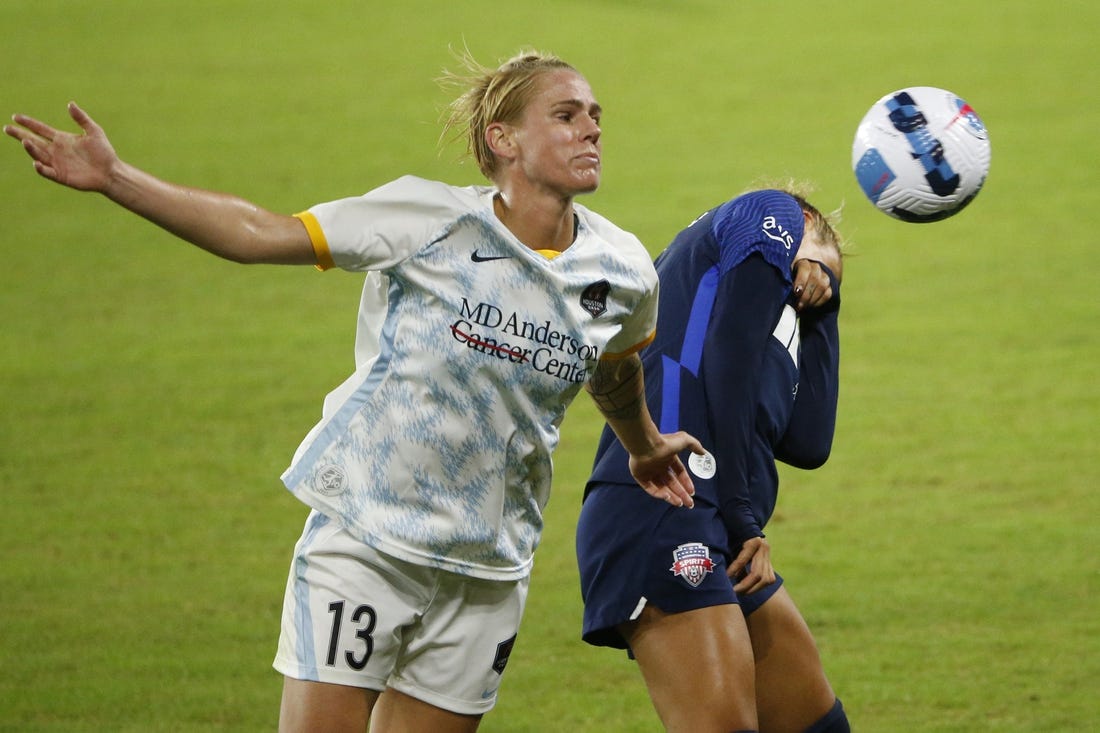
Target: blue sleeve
[749,298]
[809,437]
[768,222]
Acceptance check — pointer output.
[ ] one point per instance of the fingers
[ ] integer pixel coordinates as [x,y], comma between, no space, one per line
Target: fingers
[811,284]
[681,441]
[34,136]
[683,486]
[673,485]
[753,582]
[752,568]
[33,143]
[27,127]
[82,118]
[676,489]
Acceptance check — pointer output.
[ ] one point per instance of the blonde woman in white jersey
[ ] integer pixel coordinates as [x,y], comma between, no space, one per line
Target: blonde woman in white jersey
[484,312]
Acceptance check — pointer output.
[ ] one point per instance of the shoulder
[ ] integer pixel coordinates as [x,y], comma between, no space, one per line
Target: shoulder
[604,227]
[769,222]
[409,202]
[624,243]
[411,188]
[769,214]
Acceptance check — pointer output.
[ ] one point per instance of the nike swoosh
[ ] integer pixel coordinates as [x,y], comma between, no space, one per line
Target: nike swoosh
[488,258]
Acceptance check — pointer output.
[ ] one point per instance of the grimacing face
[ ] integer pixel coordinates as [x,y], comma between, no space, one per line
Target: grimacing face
[557,140]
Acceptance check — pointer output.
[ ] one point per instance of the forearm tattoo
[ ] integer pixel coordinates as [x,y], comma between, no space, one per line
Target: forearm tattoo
[616,388]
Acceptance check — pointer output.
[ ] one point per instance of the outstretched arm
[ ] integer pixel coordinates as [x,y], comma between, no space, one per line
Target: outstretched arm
[224,225]
[617,387]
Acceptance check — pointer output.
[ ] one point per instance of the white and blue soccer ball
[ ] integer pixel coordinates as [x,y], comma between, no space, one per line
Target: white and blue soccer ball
[921,154]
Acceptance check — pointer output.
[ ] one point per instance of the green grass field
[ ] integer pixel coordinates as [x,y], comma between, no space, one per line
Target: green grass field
[946,557]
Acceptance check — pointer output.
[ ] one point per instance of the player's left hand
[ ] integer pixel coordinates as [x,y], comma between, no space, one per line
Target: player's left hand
[752,568]
[811,285]
[662,474]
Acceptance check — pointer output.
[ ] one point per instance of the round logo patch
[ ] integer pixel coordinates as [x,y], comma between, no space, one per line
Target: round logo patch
[331,480]
[703,465]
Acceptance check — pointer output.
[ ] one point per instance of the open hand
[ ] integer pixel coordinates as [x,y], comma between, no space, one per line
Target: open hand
[82,161]
[661,473]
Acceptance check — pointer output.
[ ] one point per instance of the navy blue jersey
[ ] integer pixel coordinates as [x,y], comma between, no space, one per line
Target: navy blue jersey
[725,364]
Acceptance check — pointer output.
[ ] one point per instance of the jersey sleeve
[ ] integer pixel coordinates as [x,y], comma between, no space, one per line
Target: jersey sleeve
[382,227]
[748,299]
[639,329]
[767,222]
[809,436]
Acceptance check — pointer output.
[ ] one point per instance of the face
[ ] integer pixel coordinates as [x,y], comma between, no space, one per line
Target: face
[556,144]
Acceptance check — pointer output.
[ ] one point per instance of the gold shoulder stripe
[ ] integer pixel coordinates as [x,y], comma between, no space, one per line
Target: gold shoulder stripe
[632,350]
[317,238]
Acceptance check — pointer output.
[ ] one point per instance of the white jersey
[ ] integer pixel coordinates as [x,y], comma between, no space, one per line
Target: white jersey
[469,347]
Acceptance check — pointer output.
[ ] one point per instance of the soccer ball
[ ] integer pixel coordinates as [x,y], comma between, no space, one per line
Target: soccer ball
[921,154]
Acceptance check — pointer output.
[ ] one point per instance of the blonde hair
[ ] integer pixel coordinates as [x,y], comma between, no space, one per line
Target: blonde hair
[492,95]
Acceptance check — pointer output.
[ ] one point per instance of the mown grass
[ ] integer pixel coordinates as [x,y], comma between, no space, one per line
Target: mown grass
[946,555]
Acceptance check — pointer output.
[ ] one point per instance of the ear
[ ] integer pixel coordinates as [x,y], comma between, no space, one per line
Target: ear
[498,136]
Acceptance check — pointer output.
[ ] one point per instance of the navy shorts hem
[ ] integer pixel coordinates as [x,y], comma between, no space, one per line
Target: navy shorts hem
[631,546]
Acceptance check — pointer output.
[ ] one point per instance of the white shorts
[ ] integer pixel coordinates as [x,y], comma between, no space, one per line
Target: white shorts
[355,616]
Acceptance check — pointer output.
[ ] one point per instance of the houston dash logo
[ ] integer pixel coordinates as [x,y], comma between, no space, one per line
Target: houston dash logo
[594,298]
[692,562]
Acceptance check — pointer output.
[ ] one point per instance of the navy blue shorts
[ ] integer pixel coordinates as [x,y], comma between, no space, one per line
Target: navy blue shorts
[634,550]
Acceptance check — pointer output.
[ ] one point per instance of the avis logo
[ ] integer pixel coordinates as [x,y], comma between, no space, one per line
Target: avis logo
[774,230]
[692,562]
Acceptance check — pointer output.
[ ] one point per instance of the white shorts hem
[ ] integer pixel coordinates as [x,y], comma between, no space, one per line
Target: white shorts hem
[462,707]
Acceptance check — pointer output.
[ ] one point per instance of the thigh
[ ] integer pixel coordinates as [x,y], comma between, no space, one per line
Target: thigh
[456,658]
[316,706]
[697,666]
[347,610]
[793,691]
[397,712]
[635,551]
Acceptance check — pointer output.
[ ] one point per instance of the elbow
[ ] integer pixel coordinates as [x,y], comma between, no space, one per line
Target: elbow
[807,457]
[238,258]
[811,461]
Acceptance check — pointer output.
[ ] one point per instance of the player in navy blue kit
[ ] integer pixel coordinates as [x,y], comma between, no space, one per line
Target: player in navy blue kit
[746,359]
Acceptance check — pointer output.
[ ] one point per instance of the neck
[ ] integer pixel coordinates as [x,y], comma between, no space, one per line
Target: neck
[538,224]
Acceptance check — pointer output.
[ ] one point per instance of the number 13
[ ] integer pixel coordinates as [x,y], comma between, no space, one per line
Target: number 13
[364,631]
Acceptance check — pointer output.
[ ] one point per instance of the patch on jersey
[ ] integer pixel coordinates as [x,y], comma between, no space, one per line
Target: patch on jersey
[692,562]
[768,222]
[703,466]
[331,480]
[504,650]
[594,298]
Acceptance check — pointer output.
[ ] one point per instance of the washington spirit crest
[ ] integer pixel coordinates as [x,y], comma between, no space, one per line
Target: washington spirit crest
[692,562]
